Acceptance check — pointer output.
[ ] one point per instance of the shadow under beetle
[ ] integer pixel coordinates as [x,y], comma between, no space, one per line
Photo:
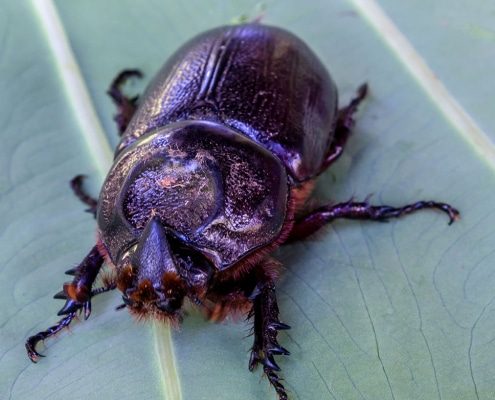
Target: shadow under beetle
[212,173]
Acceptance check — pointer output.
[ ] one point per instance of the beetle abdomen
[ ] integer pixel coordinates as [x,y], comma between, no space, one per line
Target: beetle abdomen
[260,80]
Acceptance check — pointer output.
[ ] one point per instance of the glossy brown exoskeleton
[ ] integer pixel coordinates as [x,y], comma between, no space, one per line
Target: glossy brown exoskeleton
[216,162]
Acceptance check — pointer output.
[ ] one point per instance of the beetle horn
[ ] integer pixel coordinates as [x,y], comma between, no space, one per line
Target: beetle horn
[153,257]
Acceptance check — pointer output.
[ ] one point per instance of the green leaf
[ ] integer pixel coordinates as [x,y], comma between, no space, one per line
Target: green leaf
[402,310]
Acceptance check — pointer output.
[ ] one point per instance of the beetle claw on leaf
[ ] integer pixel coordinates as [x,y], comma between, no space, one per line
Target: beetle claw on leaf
[87,309]
[69,307]
[71,271]
[60,295]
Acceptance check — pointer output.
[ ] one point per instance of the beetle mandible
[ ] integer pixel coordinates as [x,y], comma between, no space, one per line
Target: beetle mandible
[212,173]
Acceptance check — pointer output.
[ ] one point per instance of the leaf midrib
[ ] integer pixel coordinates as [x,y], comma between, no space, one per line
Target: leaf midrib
[99,148]
[415,64]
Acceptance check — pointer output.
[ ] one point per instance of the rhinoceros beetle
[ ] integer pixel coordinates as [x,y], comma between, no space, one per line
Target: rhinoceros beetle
[212,173]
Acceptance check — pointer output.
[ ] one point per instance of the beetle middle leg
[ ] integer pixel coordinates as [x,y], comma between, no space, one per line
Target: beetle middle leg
[314,220]
[345,122]
[126,106]
[266,327]
[77,294]
[76,185]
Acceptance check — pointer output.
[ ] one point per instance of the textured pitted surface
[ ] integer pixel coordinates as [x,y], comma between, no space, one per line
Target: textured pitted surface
[217,190]
[263,81]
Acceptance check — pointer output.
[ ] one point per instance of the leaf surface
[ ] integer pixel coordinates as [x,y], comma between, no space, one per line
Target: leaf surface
[402,310]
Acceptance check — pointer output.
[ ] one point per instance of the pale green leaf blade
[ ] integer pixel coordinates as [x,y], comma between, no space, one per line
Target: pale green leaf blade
[45,230]
[457,40]
[379,311]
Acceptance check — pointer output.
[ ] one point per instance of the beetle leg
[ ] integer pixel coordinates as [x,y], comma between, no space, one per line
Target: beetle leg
[64,322]
[266,326]
[78,292]
[126,106]
[350,210]
[76,185]
[52,330]
[345,122]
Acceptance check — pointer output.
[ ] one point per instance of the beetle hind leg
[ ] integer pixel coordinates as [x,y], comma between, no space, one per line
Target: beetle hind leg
[343,128]
[126,106]
[266,327]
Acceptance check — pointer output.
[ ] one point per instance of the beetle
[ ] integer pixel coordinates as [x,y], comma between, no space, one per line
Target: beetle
[212,173]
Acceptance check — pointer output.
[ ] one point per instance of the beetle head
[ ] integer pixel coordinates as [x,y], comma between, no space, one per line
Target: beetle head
[159,272]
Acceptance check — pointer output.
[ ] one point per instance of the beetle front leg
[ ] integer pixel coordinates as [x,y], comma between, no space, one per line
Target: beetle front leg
[77,294]
[364,211]
[126,106]
[53,330]
[266,327]
[345,122]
